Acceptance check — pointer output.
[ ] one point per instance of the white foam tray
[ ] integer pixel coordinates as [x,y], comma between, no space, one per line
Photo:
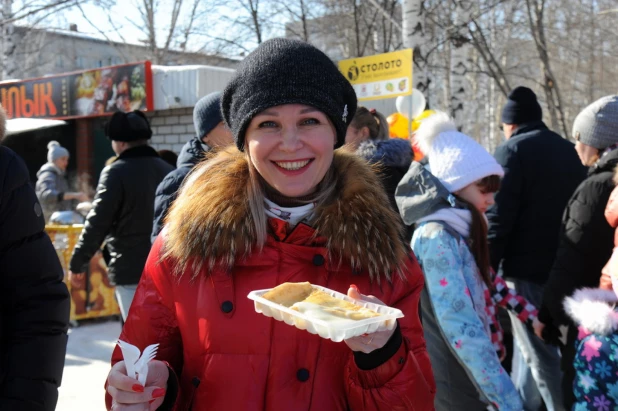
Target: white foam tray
[335,332]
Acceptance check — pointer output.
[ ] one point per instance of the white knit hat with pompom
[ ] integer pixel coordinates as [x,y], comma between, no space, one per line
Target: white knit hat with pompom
[454,158]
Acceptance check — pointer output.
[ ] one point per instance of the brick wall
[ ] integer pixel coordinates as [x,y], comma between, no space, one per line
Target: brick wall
[171,128]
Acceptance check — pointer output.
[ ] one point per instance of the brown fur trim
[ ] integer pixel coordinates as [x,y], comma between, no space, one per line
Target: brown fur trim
[210,222]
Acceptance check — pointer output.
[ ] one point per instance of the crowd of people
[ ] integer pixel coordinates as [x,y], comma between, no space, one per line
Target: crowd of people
[289,180]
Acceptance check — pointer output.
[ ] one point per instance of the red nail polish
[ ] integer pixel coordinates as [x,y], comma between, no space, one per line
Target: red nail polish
[137,388]
[354,286]
[158,393]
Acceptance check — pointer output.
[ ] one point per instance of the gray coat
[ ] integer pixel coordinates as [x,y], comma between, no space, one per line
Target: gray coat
[51,185]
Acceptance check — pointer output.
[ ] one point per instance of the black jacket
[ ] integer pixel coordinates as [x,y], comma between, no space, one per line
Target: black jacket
[122,214]
[35,302]
[394,157]
[191,154]
[542,170]
[586,241]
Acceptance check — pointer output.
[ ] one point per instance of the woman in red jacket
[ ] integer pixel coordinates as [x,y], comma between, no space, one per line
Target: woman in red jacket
[282,206]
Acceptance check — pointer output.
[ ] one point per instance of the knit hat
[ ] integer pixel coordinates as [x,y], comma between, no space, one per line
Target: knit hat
[207,114]
[55,151]
[127,127]
[521,107]
[284,71]
[454,158]
[597,124]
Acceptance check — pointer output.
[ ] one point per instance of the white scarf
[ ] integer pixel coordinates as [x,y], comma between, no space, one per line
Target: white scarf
[457,218]
[291,215]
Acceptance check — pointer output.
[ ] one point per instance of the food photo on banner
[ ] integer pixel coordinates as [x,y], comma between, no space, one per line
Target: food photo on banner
[97,92]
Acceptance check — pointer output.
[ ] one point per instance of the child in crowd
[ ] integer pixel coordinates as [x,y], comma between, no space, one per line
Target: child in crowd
[459,302]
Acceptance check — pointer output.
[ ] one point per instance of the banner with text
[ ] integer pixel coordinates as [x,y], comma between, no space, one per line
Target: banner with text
[381,76]
[90,93]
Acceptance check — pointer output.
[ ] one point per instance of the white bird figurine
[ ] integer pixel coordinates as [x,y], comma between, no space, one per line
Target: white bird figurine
[137,366]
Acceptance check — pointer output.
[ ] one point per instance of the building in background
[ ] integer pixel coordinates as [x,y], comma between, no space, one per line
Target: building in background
[84,100]
[42,52]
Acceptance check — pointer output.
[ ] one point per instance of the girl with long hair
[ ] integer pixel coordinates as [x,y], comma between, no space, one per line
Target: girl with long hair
[458,306]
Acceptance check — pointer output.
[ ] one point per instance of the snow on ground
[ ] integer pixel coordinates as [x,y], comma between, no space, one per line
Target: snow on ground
[87,365]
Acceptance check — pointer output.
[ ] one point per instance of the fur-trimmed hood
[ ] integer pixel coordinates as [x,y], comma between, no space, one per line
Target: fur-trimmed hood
[592,308]
[210,222]
[394,152]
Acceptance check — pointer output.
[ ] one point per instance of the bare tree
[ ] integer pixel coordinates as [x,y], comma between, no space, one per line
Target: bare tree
[148,9]
[26,14]
[536,10]
[299,13]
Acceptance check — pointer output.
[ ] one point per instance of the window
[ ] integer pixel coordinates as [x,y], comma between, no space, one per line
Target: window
[80,62]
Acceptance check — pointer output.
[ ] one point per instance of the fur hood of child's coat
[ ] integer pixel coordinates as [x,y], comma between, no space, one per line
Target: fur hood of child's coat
[593,309]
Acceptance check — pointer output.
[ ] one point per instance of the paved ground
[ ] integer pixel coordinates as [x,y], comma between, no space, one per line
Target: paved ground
[87,364]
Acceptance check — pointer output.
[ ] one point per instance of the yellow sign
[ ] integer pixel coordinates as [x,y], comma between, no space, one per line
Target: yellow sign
[381,76]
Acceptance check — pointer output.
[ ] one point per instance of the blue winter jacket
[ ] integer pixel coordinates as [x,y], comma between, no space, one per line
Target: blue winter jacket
[457,329]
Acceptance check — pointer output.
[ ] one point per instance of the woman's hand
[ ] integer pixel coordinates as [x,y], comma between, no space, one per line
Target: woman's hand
[129,395]
[368,342]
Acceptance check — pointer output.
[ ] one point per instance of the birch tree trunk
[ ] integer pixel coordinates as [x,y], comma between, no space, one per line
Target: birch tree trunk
[9,65]
[461,50]
[414,37]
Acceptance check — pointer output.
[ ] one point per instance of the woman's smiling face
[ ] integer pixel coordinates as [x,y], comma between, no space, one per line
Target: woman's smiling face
[291,146]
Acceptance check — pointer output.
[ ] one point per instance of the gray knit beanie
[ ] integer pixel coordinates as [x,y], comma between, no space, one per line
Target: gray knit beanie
[285,71]
[597,124]
[207,114]
[56,151]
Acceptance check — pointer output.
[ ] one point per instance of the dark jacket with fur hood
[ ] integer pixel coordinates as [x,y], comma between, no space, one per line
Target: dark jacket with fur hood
[394,157]
[191,154]
[192,298]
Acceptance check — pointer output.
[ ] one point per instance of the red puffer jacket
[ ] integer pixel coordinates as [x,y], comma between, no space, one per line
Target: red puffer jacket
[228,357]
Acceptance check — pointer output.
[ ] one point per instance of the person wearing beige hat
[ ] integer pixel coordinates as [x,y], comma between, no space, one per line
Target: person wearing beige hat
[586,241]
